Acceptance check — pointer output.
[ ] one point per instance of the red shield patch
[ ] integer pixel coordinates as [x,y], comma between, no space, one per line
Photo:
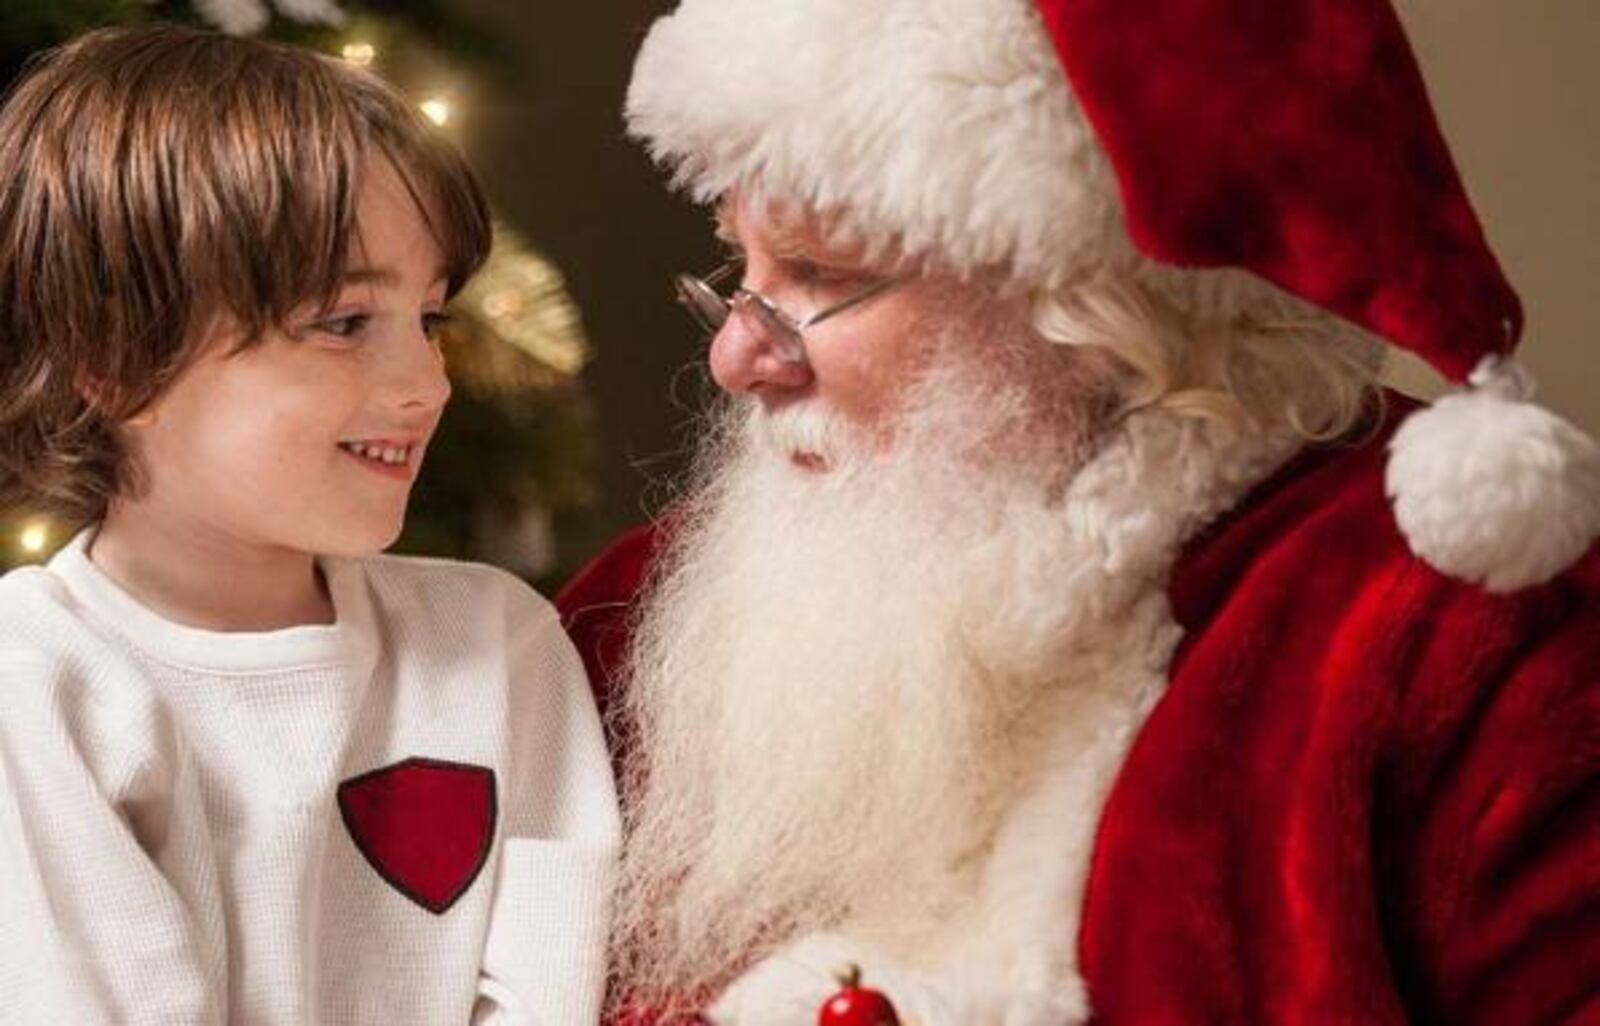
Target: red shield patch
[425,825]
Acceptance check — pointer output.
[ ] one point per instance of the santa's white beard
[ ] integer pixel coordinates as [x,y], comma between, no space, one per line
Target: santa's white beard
[830,685]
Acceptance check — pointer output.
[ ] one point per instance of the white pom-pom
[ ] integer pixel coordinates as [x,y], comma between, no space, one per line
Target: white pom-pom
[1490,488]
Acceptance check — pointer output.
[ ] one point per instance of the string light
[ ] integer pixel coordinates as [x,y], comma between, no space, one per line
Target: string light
[34,537]
[435,110]
[361,54]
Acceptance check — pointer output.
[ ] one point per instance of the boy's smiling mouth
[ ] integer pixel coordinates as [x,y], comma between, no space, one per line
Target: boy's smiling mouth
[390,456]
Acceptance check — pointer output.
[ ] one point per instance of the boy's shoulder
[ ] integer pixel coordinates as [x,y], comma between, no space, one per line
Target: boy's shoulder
[36,609]
[51,652]
[422,588]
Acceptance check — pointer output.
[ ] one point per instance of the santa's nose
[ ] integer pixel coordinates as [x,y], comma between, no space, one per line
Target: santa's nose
[746,360]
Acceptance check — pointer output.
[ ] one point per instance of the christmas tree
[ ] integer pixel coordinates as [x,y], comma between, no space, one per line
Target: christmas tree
[515,451]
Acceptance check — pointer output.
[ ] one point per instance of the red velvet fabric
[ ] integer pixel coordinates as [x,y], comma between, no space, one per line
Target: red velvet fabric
[595,604]
[596,608]
[1369,795]
[1293,138]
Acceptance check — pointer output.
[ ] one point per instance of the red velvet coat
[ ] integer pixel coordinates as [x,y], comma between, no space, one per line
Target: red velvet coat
[1369,795]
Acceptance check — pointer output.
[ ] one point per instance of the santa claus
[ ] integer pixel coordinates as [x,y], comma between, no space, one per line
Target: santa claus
[1062,624]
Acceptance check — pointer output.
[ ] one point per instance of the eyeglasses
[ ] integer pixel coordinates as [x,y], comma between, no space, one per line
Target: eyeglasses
[711,309]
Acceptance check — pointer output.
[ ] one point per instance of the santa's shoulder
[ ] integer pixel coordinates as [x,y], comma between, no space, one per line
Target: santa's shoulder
[1314,555]
[1361,754]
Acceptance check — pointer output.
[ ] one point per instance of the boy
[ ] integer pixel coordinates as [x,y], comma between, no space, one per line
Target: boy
[254,772]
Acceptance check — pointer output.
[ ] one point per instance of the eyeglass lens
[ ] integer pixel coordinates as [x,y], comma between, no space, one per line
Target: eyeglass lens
[702,302]
[711,311]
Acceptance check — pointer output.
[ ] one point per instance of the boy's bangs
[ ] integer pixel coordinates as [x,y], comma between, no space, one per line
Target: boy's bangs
[320,137]
[447,194]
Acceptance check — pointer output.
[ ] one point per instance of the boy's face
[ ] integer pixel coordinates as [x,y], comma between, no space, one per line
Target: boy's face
[311,440]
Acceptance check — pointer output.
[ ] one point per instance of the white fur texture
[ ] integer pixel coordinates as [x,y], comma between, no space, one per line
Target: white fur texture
[1490,488]
[1008,956]
[946,126]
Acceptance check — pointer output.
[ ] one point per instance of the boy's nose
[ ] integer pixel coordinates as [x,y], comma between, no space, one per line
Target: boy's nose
[745,361]
[420,382]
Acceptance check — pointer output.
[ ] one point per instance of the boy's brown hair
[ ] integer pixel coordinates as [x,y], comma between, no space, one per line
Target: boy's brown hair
[155,179]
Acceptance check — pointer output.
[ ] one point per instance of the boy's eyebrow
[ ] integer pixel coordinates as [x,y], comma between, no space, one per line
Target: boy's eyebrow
[371,276]
[386,276]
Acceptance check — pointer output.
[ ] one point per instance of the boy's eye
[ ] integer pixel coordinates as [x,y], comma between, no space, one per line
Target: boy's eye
[347,326]
[434,324]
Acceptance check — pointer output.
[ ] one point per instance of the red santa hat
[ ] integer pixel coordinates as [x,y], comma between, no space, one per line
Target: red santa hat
[1291,139]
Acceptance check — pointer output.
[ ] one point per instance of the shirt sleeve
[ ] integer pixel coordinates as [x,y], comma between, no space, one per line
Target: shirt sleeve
[544,957]
[107,895]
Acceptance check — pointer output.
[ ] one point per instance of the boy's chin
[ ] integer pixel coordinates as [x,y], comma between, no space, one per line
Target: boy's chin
[357,542]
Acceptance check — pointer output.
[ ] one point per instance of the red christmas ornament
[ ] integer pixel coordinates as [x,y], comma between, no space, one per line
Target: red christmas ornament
[855,1005]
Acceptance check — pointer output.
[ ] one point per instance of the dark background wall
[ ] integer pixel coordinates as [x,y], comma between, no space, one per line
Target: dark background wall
[557,162]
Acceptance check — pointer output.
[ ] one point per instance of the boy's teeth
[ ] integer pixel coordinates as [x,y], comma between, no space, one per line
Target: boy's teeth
[382,454]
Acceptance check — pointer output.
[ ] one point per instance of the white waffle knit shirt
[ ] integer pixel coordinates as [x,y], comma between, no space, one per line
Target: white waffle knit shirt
[172,848]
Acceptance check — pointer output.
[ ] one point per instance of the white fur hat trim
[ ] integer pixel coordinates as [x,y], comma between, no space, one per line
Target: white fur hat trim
[945,128]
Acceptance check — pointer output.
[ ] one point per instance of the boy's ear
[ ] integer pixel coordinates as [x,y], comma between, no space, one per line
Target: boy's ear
[98,395]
